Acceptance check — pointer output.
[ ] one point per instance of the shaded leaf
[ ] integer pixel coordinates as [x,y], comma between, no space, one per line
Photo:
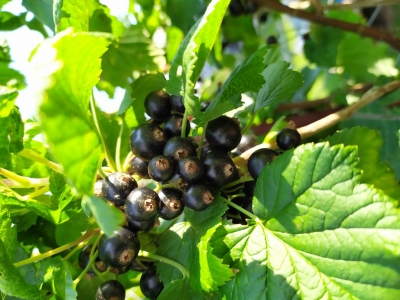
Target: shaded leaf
[43,11]
[8,233]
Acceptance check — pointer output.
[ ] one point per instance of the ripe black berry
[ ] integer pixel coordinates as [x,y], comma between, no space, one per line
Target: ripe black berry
[139,167]
[142,205]
[98,186]
[259,159]
[117,186]
[150,283]
[197,197]
[288,138]
[179,148]
[120,249]
[84,259]
[148,140]
[144,226]
[271,40]
[190,169]
[161,168]
[173,126]
[111,290]
[177,104]
[246,142]
[223,133]
[171,203]
[219,169]
[158,105]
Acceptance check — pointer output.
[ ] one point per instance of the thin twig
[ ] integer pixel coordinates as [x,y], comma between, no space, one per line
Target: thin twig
[328,121]
[359,29]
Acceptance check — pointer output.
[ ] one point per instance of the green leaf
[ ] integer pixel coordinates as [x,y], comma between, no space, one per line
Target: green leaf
[182,288]
[315,214]
[193,53]
[280,84]
[107,216]
[11,282]
[86,15]
[247,77]
[75,65]
[11,135]
[135,51]
[174,38]
[8,233]
[42,9]
[57,278]
[3,2]
[71,230]
[187,243]
[184,17]
[7,99]
[9,22]
[369,143]
[141,87]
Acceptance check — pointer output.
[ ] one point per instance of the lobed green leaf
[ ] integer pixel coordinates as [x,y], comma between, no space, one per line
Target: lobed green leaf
[8,233]
[11,281]
[68,67]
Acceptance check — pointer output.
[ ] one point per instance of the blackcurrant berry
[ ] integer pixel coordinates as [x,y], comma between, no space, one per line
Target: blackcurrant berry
[288,138]
[263,17]
[142,205]
[150,283]
[120,249]
[98,186]
[271,40]
[144,226]
[197,197]
[111,290]
[173,126]
[117,186]
[171,203]
[161,168]
[158,105]
[223,133]
[148,140]
[84,259]
[259,159]
[246,142]
[177,104]
[190,169]
[179,148]
[219,169]
[139,167]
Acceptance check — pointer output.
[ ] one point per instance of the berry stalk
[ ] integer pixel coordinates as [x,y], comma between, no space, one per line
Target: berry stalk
[171,262]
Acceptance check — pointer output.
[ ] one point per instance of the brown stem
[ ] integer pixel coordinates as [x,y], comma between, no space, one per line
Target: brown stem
[328,121]
[362,30]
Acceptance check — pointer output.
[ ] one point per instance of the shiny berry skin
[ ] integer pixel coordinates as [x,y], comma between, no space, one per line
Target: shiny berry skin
[110,290]
[158,105]
[142,205]
[117,186]
[148,140]
[246,142]
[190,169]
[173,126]
[139,167]
[150,283]
[219,169]
[288,139]
[197,197]
[177,104]
[84,259]
[259,159]
[161,168]
[179,148]
[223,133]
[120,249]
[171,203]
[144,226]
